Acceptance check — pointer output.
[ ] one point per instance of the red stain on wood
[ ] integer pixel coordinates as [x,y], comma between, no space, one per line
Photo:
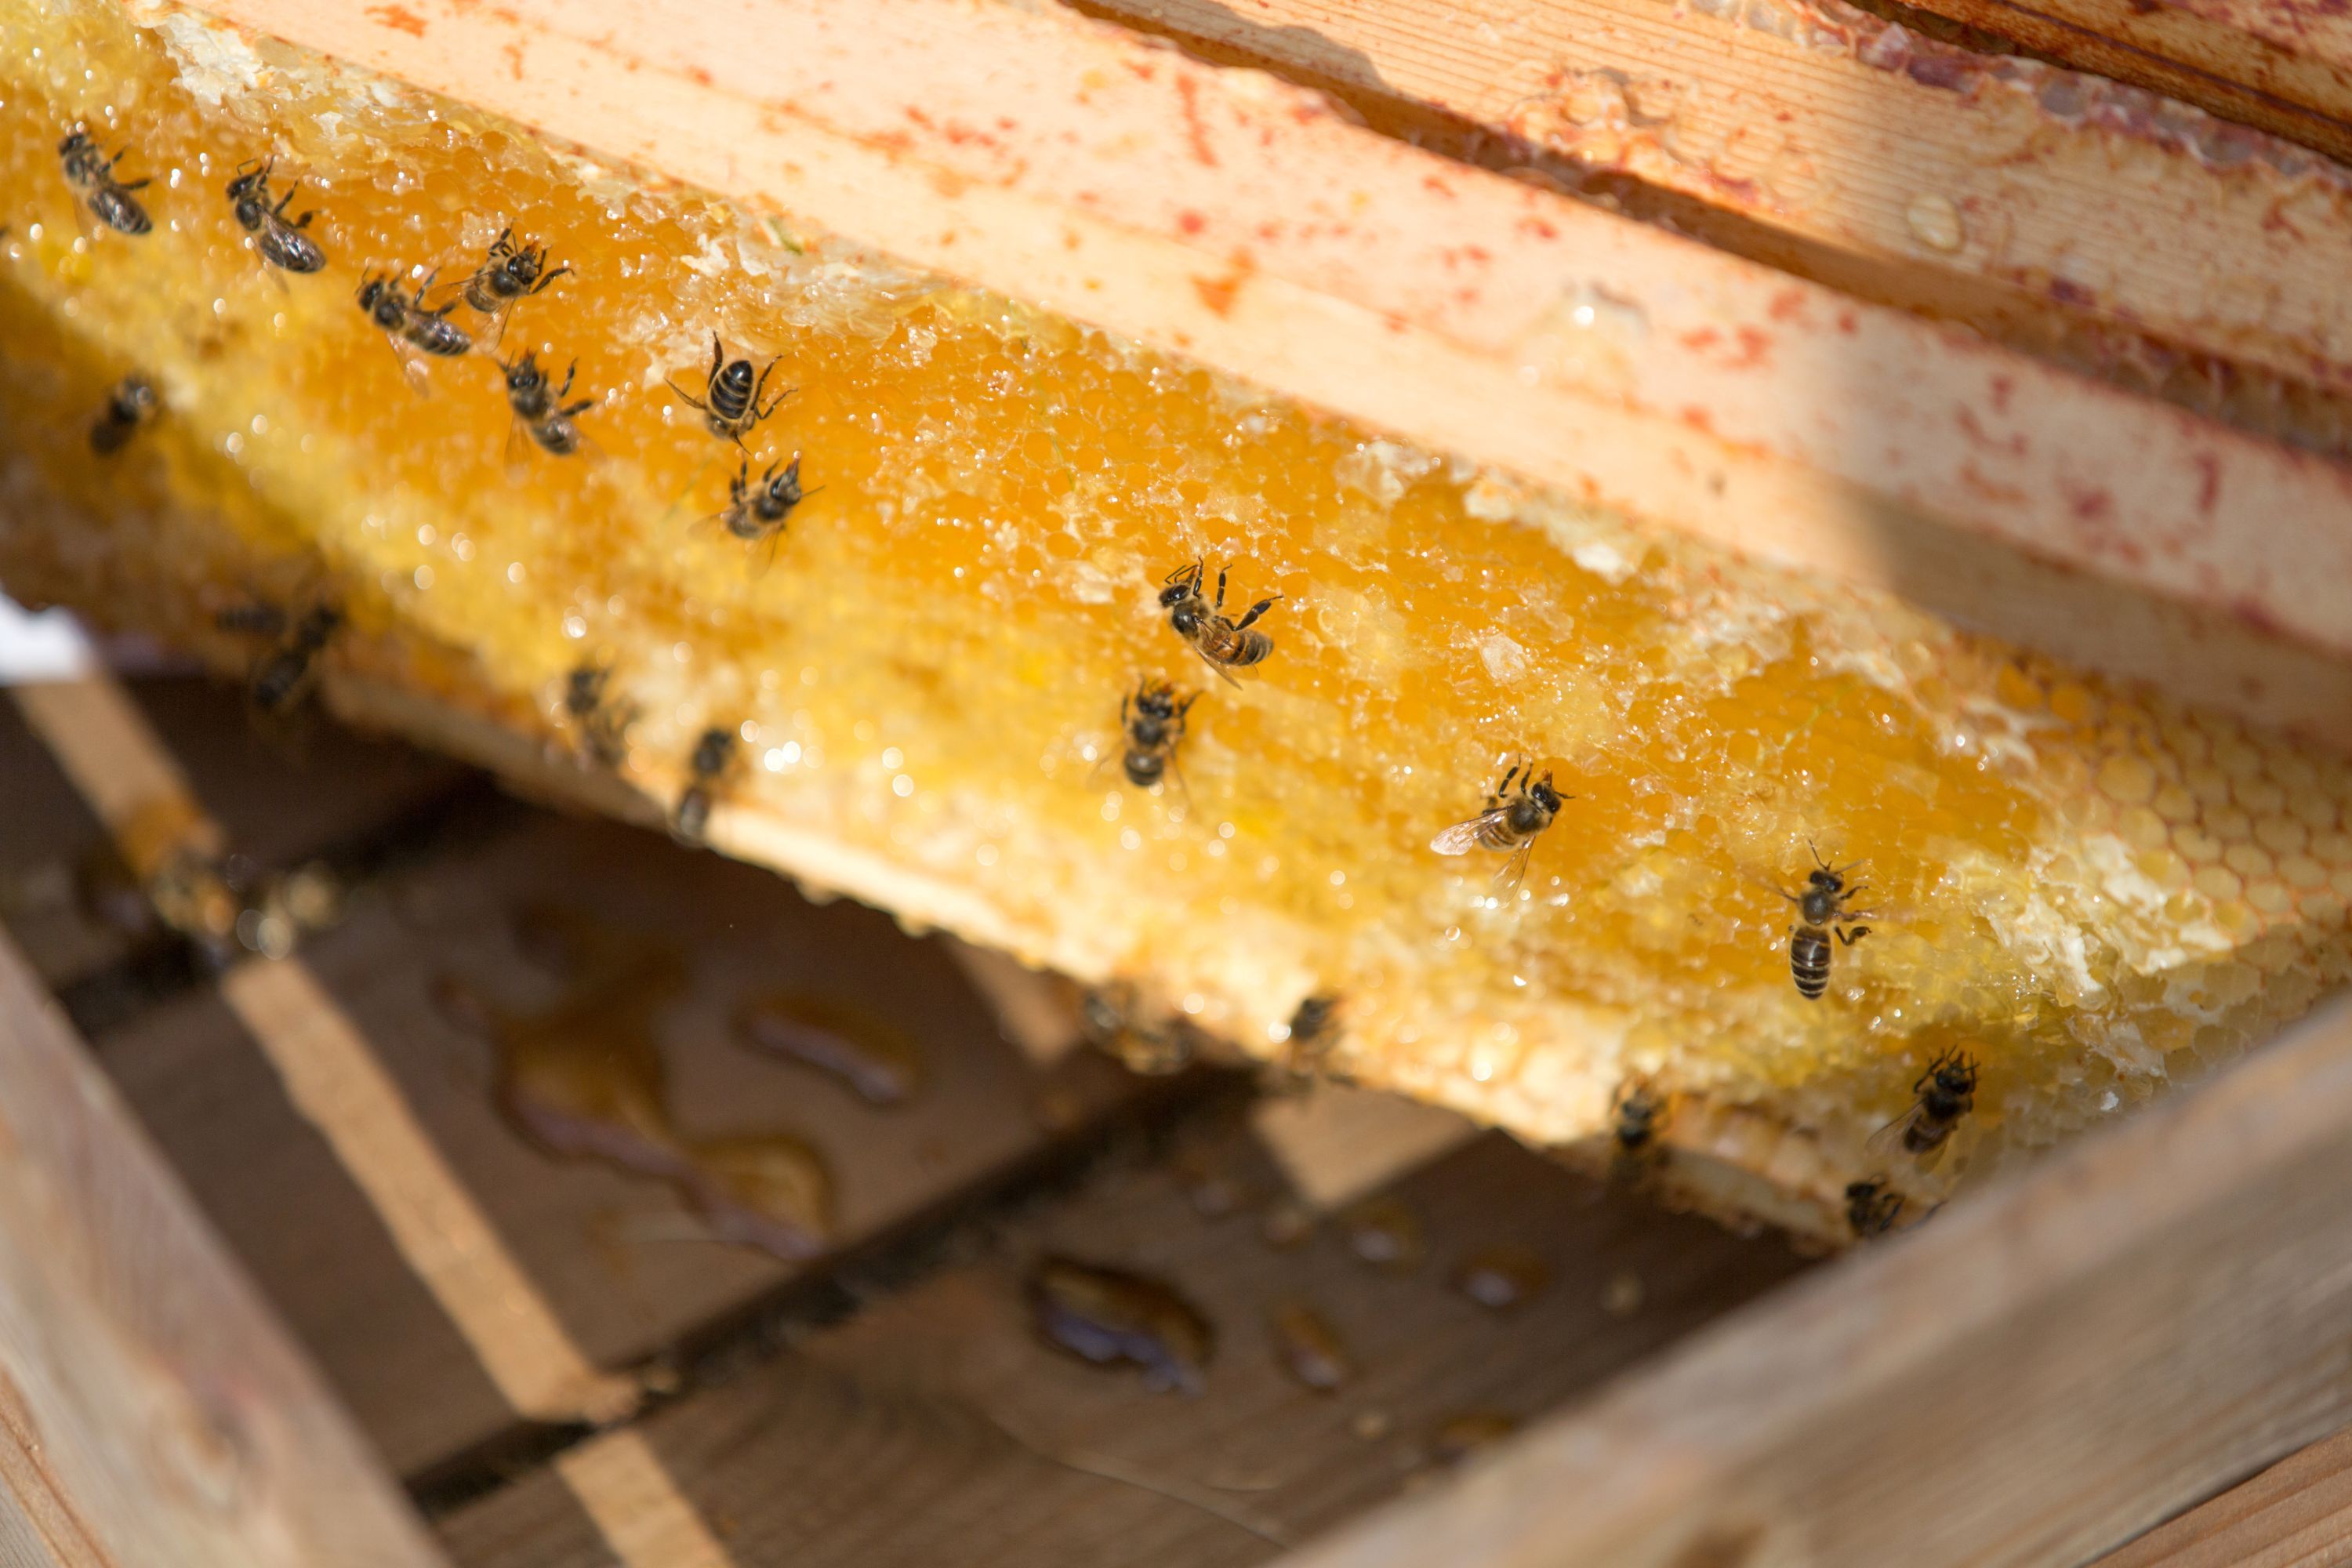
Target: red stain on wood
[1787,305]
[400,18]
[1755,346]
[1190,221]
[1217,293]
[1190,91]
[2003,388]
[2208,483]
[1976,432]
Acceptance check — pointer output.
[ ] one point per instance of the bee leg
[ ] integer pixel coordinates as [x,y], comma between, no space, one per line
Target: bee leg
[1183,784]
[1261,608]
[687,397]
[1858,933]
[1221,586]
[718,356]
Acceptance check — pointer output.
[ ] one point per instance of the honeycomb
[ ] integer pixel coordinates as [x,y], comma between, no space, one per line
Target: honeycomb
[2093,892]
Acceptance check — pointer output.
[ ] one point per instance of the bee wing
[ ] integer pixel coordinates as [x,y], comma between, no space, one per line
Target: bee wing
[519,445]
[444,293]
[1222,673]
[1515,869]
[412,364]
[763,554]
[1463,836]
[1887,1141]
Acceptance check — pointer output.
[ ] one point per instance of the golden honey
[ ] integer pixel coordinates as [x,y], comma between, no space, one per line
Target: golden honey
[2093,892]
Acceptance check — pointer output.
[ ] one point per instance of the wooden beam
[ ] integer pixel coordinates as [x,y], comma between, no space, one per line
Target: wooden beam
[2282,65]
[151,1409]
[1224,215]
[2030,1378]
[2015,196]
[2298,1512]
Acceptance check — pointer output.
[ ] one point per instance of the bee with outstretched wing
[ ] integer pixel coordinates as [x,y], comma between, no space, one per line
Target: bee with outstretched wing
[1944,1093]
[1512,820]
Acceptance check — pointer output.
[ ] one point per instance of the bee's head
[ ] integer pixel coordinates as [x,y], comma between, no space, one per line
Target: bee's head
[1156,702]
[1827,880]
[1542,793]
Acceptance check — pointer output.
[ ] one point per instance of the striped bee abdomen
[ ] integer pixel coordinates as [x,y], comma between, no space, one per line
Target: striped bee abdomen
[1809,961]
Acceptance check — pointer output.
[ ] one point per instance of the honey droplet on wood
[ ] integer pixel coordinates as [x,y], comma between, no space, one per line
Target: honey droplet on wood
[1311,1348]
[876,1062]
[1935,222]
[1112,1316]
[1502,1278]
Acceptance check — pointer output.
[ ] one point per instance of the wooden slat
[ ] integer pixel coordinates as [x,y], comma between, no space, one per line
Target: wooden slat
[280,801]
[1228,216]
[1012,1454]
[151,1408]
[2032,1378]
[2296,1514]
[623,1265]
[2282,65]
[2005,193]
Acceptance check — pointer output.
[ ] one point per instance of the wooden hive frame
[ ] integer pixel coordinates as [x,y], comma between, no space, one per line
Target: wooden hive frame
[1999,1387]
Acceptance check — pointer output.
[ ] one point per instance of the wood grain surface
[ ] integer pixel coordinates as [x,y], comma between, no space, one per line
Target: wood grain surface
[626,1267]
[2015,196]
[2037,1375]
[151,1409]
[942,1392]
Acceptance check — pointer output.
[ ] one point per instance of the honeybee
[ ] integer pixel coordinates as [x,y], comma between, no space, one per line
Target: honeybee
[131,404]
[757,512]
[713,759]
[1511,821]
[1822,910]
[1314,1033]
[281,244]
[539,406]
[1152,718]
[603,725]
[1224,646]
[1872,1208]
[281,677]
[1635,1117]
[731,403]
[92,178]
[509,273]
[1945,1093]
[405,316]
